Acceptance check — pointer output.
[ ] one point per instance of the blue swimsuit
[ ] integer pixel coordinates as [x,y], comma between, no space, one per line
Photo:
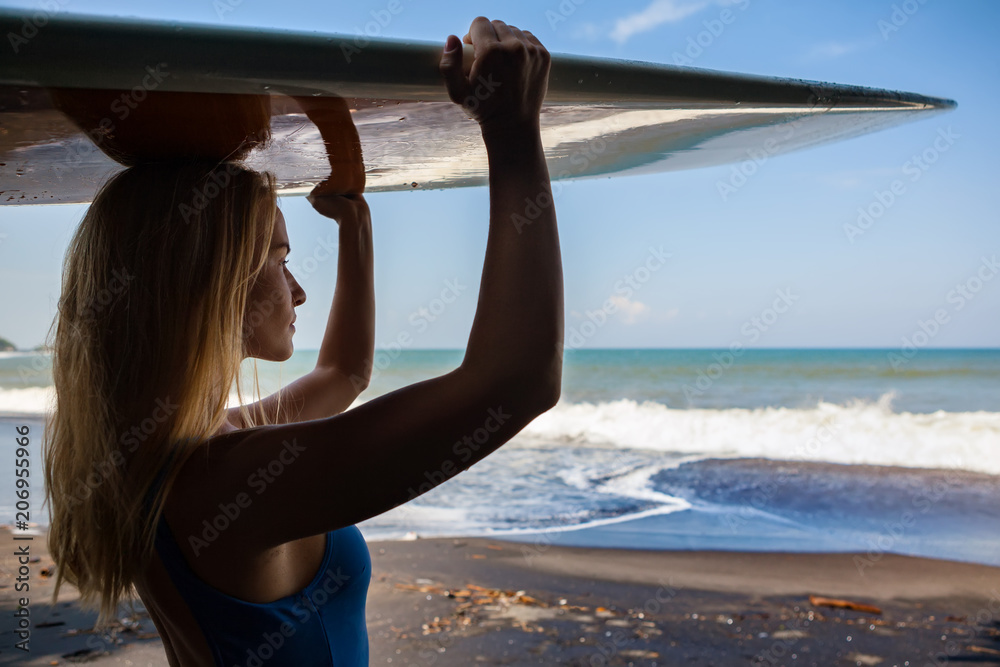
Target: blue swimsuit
[323,624]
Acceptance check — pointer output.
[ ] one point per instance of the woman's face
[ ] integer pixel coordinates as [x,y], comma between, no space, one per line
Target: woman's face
[271,303]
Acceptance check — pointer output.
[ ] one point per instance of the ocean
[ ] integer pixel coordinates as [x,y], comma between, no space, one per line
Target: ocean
[869,451]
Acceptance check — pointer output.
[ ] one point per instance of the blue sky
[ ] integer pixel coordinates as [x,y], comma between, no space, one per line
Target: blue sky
[781,233]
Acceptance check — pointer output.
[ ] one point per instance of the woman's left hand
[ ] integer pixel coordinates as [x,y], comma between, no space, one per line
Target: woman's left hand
[344,208]
[332,116]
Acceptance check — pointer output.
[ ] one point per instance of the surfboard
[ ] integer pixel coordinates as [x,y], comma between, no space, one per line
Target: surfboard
[601,116]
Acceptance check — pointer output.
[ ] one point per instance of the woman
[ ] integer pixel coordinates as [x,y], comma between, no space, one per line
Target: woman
[237,529]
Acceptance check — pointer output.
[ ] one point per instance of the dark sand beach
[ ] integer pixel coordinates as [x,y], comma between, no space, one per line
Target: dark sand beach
[478,601]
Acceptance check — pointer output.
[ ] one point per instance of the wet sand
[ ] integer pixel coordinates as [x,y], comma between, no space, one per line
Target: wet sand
[479,601]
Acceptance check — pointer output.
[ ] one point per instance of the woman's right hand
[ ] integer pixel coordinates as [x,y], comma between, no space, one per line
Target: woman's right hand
[508,79]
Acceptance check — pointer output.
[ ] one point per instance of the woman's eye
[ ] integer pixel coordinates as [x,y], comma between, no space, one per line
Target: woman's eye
[284,262]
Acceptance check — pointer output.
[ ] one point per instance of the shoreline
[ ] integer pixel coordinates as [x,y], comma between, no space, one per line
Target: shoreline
[736,504]
[462,601]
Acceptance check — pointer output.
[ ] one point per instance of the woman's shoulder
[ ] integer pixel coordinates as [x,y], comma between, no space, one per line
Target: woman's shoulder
[194,477]
[195,493]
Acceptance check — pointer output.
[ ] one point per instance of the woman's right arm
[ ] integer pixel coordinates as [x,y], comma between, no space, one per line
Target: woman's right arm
[311,477]
[519,320]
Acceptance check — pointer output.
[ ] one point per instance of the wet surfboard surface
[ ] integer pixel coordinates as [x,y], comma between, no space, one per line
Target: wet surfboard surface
[601,116]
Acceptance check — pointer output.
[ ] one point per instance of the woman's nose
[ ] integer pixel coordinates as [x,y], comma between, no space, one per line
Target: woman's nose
[298,294]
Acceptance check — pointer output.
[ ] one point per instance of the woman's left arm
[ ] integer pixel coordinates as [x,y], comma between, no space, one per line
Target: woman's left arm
[348,348]
[346,355]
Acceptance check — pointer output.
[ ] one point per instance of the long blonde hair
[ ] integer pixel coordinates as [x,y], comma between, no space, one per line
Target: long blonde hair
[148,341]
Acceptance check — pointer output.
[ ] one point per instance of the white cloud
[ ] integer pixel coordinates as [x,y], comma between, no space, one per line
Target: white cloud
[835,49]
[855,178]
[841,182]
[632,311]
[832,49]
[657,13]
[588,31]
[670,314]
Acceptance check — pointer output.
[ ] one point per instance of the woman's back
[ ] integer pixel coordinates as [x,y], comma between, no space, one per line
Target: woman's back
[297,604]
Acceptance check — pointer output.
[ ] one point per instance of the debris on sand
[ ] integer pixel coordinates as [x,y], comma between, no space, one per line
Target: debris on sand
[818,601]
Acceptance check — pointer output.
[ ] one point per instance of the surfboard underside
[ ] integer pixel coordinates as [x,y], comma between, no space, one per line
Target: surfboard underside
[602,117]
